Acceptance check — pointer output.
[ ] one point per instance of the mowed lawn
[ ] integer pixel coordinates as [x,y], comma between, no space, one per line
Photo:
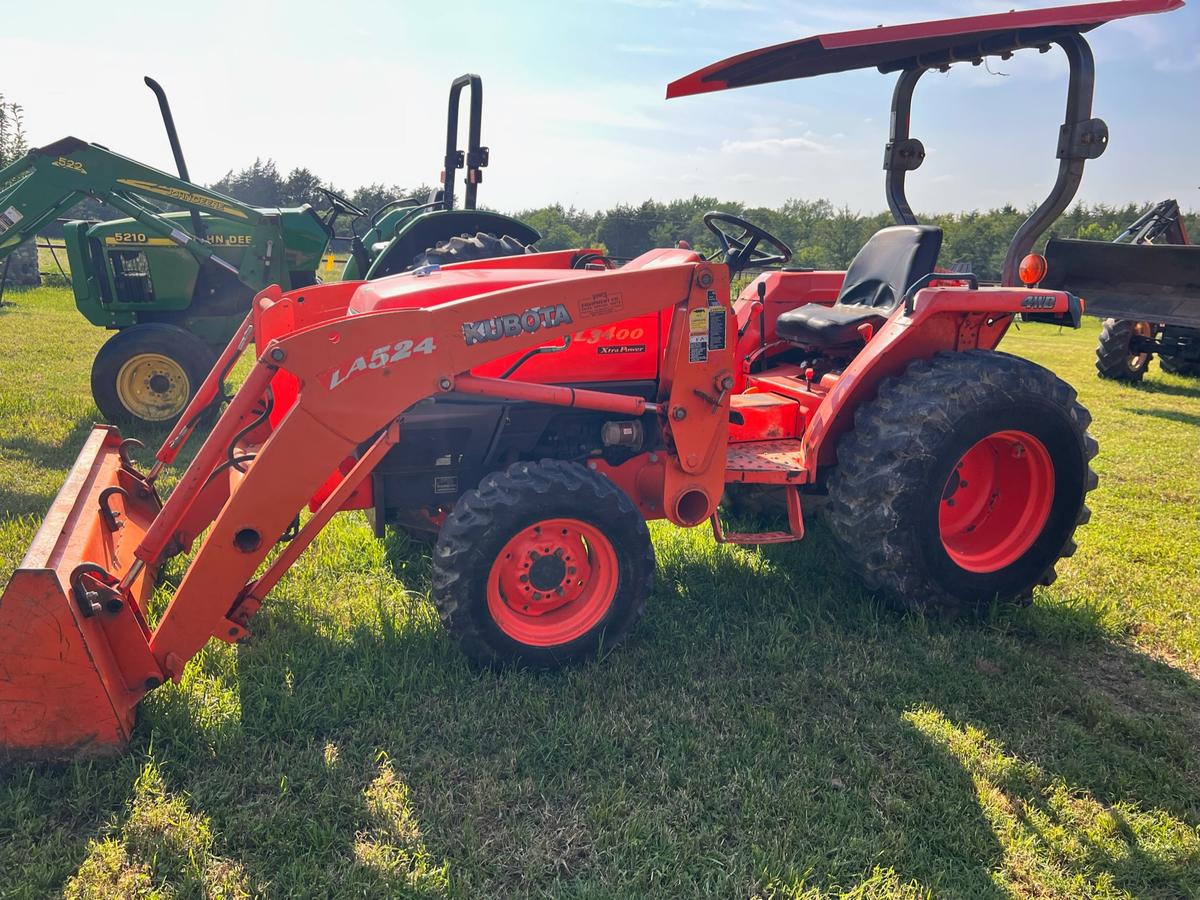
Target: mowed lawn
[768,730]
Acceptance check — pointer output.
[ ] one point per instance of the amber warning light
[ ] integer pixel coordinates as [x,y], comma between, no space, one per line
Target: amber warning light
[1033,269]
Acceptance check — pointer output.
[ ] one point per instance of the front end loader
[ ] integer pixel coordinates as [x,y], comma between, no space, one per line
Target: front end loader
[956,475]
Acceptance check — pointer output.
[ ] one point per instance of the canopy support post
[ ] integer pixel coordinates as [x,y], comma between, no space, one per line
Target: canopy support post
[903,153]
[1081,138]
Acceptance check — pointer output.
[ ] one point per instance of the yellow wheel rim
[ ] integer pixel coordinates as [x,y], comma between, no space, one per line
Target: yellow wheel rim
[153,387]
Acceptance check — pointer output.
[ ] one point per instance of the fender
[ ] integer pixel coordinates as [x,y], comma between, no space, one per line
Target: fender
[942,319]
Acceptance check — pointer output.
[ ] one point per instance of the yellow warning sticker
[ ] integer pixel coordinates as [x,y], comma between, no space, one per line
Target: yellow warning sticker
[698,321]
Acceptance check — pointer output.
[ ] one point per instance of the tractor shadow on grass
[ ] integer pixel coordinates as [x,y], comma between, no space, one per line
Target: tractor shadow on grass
[48,454]
[1191,390]
[1169,415]
[51,459]
[765,725]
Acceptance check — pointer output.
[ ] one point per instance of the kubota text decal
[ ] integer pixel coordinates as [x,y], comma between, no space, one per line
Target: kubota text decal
[511,324]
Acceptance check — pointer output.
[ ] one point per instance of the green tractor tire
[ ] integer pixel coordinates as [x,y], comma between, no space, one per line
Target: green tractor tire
[464,249]
[147,373]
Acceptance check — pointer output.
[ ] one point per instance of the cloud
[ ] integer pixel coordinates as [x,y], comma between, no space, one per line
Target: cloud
[1176,64]
[775,146]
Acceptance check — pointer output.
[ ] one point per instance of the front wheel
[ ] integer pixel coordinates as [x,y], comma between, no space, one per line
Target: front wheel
[963,481]
[149,372]
[544,564]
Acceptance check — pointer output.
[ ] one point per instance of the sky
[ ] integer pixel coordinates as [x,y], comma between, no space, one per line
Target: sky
[574,107]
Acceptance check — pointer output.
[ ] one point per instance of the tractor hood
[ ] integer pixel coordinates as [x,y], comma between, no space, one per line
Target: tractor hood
[434,287]
[443,286]
[920,45]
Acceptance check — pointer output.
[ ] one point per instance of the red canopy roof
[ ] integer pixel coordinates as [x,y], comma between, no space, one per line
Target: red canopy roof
[919,45]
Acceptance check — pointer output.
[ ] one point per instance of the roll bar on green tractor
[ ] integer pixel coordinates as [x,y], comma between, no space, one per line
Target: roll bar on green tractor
[50,180]
[401,229]
[476,157]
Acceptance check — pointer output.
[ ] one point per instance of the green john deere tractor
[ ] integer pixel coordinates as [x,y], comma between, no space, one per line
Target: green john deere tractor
[175,283]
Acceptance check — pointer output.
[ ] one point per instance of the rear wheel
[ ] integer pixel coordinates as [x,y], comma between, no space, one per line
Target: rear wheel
[465,249]
[1116,358]
[543,565]
[149,372]
[963,481]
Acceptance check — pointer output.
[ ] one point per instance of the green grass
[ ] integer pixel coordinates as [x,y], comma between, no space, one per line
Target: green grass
[767,731]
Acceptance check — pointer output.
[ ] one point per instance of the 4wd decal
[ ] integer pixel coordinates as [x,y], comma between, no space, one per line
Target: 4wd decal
[511,324]
[381,357]
[1039,301]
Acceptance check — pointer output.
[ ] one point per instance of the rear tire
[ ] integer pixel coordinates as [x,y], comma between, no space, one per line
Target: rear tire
[1114,358]
[466,249]
[543,565]
[147,373]
[962,482]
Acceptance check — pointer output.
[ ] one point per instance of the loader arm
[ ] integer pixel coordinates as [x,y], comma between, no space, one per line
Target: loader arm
[48,181]
[73,614]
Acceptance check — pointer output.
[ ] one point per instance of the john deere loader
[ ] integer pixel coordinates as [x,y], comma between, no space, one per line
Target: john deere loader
[176,277]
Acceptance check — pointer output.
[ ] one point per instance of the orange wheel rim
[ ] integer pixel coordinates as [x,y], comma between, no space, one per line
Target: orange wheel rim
[552,582]
[1142,330]
[996,501]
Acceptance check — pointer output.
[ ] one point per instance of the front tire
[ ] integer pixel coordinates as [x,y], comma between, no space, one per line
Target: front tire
[963,482]
[543,565]
[1115,358]
[147,373]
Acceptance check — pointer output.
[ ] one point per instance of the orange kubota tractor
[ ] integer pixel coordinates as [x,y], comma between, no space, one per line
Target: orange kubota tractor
[956,474]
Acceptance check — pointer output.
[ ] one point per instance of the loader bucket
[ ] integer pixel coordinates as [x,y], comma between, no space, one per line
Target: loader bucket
[68,668]
[1141,282]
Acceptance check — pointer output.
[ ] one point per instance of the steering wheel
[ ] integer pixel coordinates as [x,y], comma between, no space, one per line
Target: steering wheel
[589,260]
[742,251]
[338,200]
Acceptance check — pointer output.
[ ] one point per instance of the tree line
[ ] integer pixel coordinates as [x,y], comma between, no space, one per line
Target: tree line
[821,235]
[12,133]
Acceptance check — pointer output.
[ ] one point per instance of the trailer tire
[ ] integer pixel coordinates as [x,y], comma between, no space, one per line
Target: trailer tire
[147,373]
[1114,359]
[502,579]
[465,249]
[1004,436]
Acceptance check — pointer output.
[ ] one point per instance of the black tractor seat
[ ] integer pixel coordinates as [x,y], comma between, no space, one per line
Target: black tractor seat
[890,262]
